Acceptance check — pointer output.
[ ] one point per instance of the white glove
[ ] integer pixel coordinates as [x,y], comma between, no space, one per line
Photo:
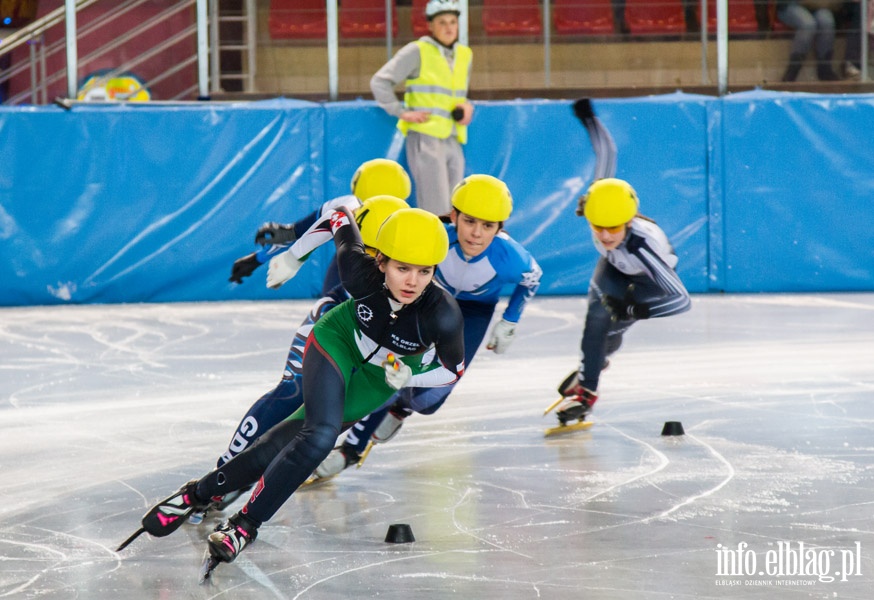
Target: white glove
[397,373]
[502,336]
[282,267]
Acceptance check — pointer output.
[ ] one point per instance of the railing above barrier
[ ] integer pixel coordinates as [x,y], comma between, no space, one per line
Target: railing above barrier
[319,49]
[136,50]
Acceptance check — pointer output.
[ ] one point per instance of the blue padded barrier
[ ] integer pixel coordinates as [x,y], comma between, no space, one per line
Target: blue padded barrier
[758,191]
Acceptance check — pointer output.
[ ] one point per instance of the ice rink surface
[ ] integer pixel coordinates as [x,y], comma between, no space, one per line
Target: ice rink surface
[769,494]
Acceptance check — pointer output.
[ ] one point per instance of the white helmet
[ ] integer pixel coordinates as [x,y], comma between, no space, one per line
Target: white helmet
[436,7]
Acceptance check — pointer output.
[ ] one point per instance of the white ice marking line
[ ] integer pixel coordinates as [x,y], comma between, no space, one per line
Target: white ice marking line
[36,577]
[662,464]
[112,553]
[61,555]
[136,491]
[362,568]
[697,497]
[250,569]
[466,531]
[510,491]
[23,586]
[807,301]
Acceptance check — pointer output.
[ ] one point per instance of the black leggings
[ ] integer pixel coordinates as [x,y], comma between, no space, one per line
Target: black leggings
[601,335]
[284,457]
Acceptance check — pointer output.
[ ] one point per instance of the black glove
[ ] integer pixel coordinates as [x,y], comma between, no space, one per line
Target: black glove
[243,267]
[625,309]
[583,110]
[275,233]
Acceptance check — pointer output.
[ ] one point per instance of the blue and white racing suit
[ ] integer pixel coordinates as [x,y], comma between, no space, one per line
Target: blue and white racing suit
[639,271]
[476,283]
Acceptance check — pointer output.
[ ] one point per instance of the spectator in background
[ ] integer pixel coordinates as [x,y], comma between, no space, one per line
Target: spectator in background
[5,62]
[435,113]
[852,65]
[814,25]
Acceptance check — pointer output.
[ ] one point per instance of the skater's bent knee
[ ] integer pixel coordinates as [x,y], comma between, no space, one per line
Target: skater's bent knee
[318,440]
[430,409]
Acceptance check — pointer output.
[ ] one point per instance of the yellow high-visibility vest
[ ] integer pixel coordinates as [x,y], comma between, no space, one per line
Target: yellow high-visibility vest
[438,89]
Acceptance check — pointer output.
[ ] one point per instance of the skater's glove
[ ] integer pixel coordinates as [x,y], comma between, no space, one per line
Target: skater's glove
[502,336]
[243,267]
[583,110]
[397,373]
[620,310]
[275,233]
[282,268]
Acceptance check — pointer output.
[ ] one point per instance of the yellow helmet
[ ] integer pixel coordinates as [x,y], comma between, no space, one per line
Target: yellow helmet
[381,176]
[414,236]
[373,212]
[610,203]
[483,197]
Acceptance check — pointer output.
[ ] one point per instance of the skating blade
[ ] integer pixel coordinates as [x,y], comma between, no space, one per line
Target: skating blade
[568,428]
[135,535]
[209,564]
[364,454]
[553,405]
[314,480]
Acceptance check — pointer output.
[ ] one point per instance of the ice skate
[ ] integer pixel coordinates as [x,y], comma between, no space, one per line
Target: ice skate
[571,413]
[340,458]
[218,504]
[390,425]
[572,406]
[226,543]
[168,515]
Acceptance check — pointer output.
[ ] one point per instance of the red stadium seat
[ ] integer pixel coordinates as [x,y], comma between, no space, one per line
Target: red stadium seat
[512,17]
[365,19]
[655,17]
[418,19]
[583,17]
[289,19]
[741,16]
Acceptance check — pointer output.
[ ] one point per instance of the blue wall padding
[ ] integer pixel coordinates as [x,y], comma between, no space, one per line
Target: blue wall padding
[149,203]
[799,192]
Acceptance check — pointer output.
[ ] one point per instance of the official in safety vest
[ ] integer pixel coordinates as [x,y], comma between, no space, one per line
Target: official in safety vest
[435,111]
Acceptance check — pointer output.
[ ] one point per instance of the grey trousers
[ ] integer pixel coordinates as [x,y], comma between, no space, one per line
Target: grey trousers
[436,166]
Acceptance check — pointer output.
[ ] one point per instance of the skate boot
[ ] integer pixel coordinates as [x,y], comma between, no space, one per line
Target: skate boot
[169,514]
[391,423]
[217,503]
[577,404]
[230,537]
[339,459]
